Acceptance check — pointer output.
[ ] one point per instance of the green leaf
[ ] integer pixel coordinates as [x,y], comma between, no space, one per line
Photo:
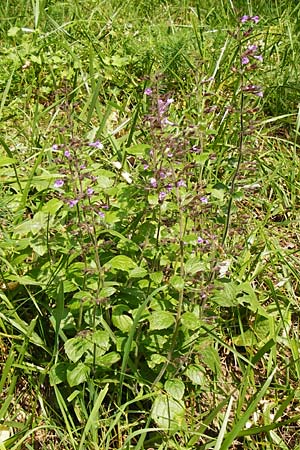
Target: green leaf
[52,206]
[13,31]
[156,277]
[195,374]
[194,265]
[160,320]
[33,226]
[121,262]
[190,321]
[168,413]
[6,161]
[138,150]
[175,388]
[108,360]
[138,272]
[58,373]
[101,339]
[177,282]
[120,320]
[79,374]
[107,292]
[104,182]
[210,357]
[76,347]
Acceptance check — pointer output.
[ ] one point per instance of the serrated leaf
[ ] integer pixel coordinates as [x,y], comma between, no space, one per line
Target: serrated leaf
[175,388]
[168,413]
[160,320]
[76,347]
[78,374]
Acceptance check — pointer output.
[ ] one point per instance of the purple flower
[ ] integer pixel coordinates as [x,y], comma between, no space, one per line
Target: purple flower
[181,183]
[96,144]
[59,183]
[73,202]
[54,147]
[259,58]
[200,240]
[255,19]
[245,60]
[101,214]
[148,91]
[90,191]
[153,182]
[203,200]
[67,154]
[169,187]
[162,195]
[244,19]
[252,48]
[146,166]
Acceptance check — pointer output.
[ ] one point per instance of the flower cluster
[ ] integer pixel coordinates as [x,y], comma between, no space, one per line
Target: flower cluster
[254,19]
[76,183]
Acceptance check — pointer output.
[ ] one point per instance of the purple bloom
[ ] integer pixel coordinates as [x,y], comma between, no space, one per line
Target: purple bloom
[169,187]
[255,19]
[67,154]
[259,58]
[148,91]
[200,240]
[162,195]
[96,144]
[90,191]
[252,48]
[153,182]
[54,147]
[203,200]
[101,214]
[181,183]
[146,166]
[73,202]
[244,19]
[59,183]
[245,60]
[259,94]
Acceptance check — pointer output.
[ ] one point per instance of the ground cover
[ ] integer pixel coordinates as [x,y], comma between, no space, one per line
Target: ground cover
[149,172]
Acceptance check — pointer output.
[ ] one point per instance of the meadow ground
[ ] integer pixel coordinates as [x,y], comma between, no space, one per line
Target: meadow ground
[149,222]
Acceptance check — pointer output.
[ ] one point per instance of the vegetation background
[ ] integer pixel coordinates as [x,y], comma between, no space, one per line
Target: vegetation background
[149,221]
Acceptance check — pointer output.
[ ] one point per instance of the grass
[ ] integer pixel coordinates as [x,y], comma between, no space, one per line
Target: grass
[149,225]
